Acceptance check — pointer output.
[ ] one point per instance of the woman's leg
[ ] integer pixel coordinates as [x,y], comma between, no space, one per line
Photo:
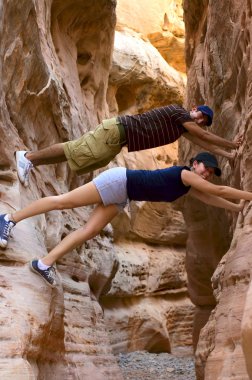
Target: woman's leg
[82,196]
[101,216]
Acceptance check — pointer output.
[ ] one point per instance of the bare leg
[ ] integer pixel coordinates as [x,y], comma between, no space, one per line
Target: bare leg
[101,216]
[50,155]
[82,196]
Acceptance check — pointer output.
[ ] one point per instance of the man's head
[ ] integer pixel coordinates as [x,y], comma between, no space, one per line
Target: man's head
[202,115]
[205,164]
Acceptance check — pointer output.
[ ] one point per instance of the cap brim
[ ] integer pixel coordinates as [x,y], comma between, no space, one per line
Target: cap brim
[217,172]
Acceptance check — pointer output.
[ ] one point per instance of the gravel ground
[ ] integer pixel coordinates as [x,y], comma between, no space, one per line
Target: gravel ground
[141,365]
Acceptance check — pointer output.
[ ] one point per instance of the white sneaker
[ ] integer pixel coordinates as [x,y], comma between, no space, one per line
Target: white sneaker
[24,167]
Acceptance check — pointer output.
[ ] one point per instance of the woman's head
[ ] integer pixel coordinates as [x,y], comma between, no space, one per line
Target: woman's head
[205,164]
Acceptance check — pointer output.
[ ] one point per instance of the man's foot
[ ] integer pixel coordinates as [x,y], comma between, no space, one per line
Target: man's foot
[48,275]
[24,167]
[5,228]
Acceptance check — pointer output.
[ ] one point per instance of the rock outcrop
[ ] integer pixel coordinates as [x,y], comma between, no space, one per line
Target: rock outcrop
[57,83]
[161,22]
[218,51]
[148,306]
[53,88]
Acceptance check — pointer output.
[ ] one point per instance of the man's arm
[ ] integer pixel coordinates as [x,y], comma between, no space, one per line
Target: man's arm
[210,147]
[216,201]
[197,131]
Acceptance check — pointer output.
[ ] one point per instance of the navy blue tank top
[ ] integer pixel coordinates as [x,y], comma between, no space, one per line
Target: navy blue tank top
[162,185]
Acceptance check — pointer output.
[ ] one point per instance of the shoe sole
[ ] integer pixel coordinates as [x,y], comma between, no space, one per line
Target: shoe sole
[47,283]
[3,245]
[24,183]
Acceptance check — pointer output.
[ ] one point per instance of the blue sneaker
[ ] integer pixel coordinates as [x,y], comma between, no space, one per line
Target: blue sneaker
[5,229]
[48,275]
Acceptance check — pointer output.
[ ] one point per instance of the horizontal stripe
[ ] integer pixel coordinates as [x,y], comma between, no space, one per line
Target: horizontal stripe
[154,128]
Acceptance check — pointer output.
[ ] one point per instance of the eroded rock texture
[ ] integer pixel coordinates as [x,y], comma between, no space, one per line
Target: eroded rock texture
[218,52]
[55,61]
[147,306]
[54,77]
[161,22]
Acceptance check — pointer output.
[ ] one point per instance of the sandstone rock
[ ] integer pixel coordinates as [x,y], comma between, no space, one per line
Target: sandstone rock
[151,323]
[217,57]
[140,79]
[161,22]
[158,223]
[147,307]
[55,59]
[246,330]
[50,93]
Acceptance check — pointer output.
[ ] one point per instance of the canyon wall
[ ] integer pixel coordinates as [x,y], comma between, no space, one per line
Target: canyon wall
[148,305]
[219,262]
[64,68]
[54,77]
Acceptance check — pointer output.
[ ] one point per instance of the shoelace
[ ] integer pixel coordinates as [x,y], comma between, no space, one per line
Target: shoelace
[27,170]
[7,229]
[50,272]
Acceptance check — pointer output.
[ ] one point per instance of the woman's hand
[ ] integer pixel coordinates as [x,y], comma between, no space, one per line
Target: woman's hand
[240,206]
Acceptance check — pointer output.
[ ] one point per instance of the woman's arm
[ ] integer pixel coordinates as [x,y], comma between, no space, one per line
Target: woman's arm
[191,179]
[213,200]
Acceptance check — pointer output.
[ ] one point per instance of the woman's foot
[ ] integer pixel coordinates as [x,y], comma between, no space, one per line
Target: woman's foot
[6,226]
[48,275]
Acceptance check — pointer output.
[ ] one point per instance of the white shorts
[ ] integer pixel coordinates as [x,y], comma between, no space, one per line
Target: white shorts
[112,187]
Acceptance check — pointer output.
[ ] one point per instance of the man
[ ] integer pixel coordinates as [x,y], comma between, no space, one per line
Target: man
[154,128]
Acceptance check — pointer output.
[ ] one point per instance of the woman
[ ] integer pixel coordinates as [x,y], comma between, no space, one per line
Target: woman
[112,189]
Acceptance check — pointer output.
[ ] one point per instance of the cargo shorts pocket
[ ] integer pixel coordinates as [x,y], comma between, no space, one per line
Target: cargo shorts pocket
[82,153]
[112,134]
[100,145]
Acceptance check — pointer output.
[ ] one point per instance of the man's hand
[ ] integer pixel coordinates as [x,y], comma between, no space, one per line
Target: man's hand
[238,140]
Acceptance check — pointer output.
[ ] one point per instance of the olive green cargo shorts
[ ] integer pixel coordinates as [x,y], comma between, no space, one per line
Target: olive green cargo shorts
[94,149]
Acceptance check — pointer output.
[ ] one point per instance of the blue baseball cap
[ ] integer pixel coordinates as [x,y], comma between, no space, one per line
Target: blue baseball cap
[208,112]
[209,160]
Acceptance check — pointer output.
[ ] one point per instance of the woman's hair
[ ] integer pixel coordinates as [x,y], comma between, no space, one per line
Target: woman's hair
[192,160]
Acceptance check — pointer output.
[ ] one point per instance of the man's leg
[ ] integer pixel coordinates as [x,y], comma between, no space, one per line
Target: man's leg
[50,155]
[91,151]
[26,160]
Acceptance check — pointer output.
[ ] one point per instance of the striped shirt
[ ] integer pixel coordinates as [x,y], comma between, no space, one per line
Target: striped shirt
[157,127]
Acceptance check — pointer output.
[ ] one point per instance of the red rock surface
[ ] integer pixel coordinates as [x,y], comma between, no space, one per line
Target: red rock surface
[53,87]
[218,54]
[58,81]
